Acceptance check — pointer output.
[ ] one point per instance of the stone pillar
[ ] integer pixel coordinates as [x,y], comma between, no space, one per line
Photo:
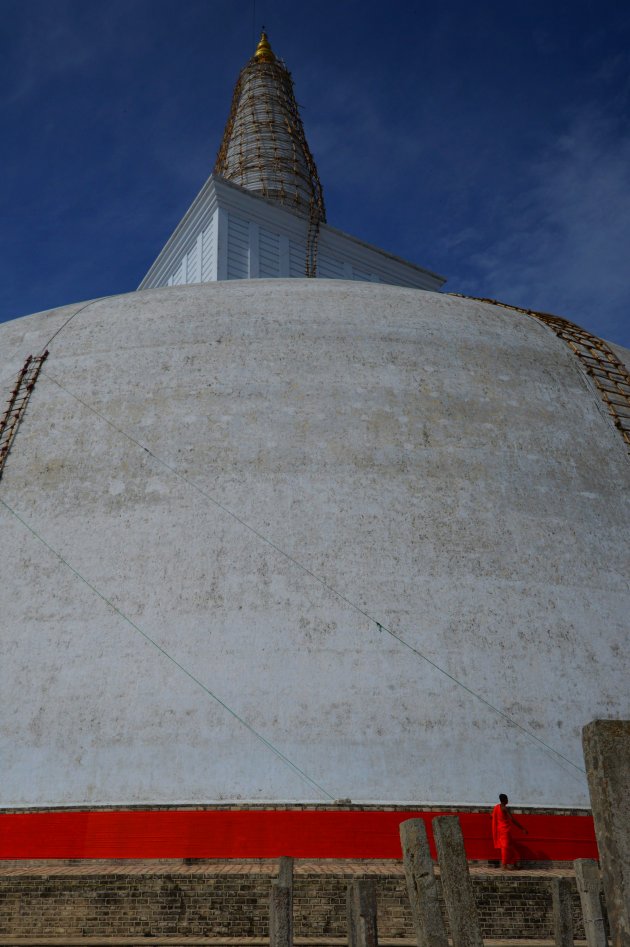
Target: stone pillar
[589,885]
[422,885]
[361,906]
[280,919]
[606,746]
[562,913]
[285,873]
[456,883]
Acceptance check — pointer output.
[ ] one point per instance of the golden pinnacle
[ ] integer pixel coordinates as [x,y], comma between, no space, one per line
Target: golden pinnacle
[264,52]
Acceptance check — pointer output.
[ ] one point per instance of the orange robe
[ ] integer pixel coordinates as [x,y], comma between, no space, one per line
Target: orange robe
[502,827]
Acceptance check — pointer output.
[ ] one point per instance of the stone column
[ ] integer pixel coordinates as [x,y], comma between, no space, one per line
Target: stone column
[589,885]
[562,913]
[361,906]
[281,906]
[422,885]
[285,873]
[456,883]
[606,746]
[280,920]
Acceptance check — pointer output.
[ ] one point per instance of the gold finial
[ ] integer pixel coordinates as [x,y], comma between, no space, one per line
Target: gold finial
[264,52]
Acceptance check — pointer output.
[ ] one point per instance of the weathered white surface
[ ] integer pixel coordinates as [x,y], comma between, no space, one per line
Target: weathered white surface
[229,233]
[441,462]
[622,354]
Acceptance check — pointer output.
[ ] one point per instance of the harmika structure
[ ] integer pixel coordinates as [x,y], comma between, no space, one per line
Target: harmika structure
[272,542]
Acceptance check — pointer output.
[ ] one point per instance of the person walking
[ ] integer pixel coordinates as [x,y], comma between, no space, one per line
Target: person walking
[503,825]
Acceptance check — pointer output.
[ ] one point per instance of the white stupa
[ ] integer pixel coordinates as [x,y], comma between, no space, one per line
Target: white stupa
[270,538]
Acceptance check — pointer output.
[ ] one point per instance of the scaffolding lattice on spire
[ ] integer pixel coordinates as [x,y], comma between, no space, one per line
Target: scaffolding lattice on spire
[264,149]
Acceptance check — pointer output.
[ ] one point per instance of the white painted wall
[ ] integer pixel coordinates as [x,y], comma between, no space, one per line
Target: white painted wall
[444,464]
[262,240]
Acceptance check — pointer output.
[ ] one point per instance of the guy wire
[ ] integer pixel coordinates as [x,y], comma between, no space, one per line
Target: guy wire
[340,595]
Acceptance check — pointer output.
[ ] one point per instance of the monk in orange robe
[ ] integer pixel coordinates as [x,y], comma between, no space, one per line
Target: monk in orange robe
[503,824]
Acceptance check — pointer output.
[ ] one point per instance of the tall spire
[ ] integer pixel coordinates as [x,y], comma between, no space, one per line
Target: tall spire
[264,149]
[229,233]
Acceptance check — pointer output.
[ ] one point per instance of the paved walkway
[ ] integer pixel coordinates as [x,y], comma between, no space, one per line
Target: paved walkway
[269,867]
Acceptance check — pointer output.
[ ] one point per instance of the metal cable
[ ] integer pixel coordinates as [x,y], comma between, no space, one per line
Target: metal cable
[70,318]
[285,759]
[44,347]
[556,754]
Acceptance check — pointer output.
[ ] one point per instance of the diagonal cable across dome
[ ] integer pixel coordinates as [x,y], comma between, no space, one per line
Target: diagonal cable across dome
[264,149]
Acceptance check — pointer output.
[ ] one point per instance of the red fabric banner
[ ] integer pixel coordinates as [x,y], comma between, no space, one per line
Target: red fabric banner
[256,833]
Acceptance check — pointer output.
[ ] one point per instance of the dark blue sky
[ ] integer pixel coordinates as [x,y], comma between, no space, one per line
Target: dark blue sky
[488,141]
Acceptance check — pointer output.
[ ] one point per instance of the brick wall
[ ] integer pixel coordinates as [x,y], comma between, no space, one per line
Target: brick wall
[237,905]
